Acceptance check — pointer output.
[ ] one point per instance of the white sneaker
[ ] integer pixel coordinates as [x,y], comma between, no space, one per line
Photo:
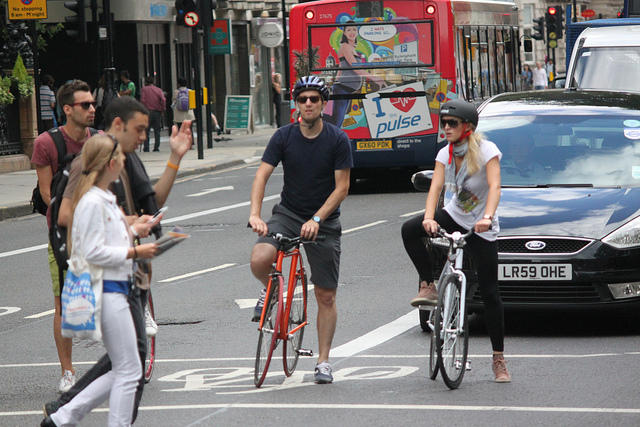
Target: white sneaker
[151,327]
[67,381]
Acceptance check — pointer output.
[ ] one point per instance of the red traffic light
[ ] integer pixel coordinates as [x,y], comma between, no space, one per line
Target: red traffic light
[551,10]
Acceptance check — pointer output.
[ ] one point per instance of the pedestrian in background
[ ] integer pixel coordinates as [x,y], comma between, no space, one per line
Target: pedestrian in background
[180,105]
[127,87]
[47,102]
[98,95]
[276,89]
[75,99]
[153,98]
[539,77]
[526,77]
[100,234]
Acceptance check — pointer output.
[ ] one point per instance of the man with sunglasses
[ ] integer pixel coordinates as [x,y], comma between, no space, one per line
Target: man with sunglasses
[78,106]
[316,158]
[126,121]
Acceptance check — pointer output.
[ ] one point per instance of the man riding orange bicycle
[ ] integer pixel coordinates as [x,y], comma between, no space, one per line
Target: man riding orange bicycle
[316,158]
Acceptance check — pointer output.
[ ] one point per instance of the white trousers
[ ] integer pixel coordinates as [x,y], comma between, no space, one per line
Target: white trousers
[119,384]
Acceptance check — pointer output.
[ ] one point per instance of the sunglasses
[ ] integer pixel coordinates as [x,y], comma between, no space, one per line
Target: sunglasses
[85,105]
[451,122]
[115,145]
[314,99]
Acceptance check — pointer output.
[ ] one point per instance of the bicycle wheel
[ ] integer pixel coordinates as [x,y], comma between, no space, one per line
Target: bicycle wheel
[151,344]
[452,344]
[433,345]
[268,334]
[297,316]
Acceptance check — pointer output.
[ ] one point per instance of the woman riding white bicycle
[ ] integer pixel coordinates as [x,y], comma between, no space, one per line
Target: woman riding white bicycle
[470,168]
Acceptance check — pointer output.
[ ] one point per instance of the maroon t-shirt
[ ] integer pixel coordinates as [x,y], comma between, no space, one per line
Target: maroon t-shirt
[45,152]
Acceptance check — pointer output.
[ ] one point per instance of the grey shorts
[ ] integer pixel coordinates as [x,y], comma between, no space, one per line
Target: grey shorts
[323,257]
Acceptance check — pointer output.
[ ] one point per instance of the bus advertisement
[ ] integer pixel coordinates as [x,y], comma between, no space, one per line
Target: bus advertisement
[390,64]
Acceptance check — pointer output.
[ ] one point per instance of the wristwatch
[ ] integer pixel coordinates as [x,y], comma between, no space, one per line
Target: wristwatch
[316,218]
[489,217]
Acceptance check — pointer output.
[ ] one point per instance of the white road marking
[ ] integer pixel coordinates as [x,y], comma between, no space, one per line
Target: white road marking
[211,190]
[38,315]
[412,213]
[212,211]
[365,406]
[251,302]
[377,336]
[23,250]
[8,310]
[357,356]
[372,224]
[196,273]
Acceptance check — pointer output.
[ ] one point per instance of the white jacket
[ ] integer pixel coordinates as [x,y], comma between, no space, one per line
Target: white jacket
[100,234]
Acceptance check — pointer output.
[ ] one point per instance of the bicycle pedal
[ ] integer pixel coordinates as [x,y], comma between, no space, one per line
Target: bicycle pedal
[468,366]
[305,352]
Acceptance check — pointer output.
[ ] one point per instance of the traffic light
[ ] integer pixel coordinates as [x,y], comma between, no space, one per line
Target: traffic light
[182,8]
[76,25]
[538,28]
[553,18]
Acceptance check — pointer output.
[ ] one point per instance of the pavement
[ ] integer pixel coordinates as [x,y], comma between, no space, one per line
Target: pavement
[233,150]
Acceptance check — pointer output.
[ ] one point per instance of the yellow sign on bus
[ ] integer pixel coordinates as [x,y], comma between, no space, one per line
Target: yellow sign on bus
[27,9]
[385,144]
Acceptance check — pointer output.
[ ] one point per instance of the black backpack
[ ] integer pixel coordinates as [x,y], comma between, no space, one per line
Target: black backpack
[57,233]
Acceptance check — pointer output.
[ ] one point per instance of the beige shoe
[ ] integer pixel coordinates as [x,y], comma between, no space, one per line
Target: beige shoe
[427,295]
[500,369]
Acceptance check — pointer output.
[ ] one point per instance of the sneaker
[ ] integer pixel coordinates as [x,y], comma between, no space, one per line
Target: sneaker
[67,381]
[427,295]
[500,369]
[50,407]
[150,325]
[257,311]
[322,374]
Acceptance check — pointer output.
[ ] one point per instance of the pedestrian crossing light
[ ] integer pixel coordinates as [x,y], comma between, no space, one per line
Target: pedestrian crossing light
[538,28]
[76,25]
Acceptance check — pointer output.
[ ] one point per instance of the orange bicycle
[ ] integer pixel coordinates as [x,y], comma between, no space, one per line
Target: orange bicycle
[284,315]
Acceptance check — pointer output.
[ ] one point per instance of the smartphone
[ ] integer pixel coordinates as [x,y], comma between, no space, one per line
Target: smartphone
[161,210]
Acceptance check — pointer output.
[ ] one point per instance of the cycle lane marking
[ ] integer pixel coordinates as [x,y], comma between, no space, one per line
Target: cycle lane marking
[164,221]
[197,273]
[210,191]
[364,406]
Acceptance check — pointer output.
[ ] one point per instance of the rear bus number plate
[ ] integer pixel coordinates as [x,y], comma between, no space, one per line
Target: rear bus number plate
[510,272]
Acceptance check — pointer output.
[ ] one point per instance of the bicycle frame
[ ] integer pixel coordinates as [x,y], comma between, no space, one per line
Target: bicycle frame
[455,256]
[296,270]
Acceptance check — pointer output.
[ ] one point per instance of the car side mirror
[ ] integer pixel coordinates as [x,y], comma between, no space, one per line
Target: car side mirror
[422,180]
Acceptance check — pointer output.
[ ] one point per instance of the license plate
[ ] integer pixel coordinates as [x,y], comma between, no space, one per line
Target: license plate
[509,272]
[386,144]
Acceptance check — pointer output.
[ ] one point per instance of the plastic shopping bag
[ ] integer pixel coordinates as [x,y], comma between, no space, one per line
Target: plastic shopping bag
[81,300]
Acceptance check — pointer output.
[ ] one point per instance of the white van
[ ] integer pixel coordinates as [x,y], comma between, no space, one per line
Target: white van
[606,58]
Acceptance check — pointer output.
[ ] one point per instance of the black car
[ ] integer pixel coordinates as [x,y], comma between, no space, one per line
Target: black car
[570,203]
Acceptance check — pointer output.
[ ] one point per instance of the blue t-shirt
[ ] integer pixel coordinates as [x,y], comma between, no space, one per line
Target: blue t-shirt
[309,166]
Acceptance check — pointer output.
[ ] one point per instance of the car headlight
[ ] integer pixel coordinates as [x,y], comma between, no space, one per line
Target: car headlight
[627,236]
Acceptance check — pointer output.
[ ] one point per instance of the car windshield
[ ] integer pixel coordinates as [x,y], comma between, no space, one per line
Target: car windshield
[608,68]
[592,149]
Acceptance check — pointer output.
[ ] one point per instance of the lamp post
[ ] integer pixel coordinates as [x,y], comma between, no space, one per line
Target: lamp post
[285,86]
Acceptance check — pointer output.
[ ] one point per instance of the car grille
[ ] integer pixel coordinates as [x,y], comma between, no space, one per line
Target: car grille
[544,293]
[553,246]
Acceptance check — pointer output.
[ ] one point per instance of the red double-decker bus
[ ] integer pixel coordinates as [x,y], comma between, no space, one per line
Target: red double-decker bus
[390,64]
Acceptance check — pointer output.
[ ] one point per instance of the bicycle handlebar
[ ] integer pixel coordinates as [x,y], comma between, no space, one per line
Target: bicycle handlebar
[456,237]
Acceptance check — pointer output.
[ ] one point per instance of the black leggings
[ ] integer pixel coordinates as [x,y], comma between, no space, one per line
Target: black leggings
[485,256]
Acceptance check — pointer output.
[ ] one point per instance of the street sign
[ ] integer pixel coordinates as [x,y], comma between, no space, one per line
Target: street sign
[27,9]
[588,13]
[220,37]
[237,112]
[191,19]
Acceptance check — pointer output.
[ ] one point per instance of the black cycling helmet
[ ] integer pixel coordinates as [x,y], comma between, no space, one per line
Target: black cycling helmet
[461,109]
[311,83]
